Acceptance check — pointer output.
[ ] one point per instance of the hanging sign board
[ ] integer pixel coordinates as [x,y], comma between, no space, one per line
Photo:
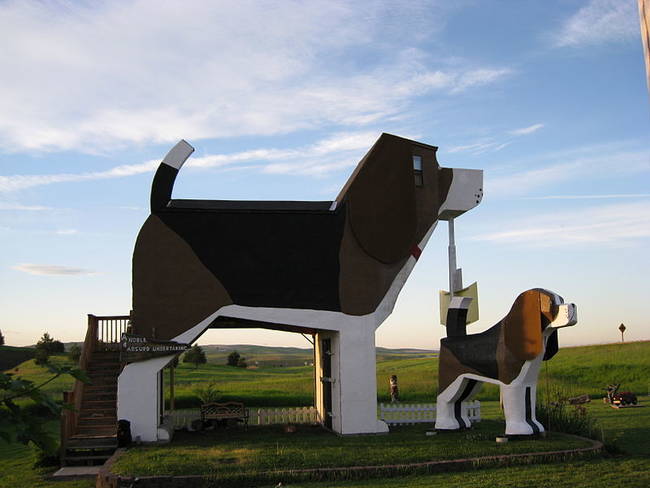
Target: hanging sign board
[472,313]
[134,348]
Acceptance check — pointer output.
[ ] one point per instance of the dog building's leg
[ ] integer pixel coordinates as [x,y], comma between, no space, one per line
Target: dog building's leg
[450,414]
[519,399]
[519,409]
[346,379]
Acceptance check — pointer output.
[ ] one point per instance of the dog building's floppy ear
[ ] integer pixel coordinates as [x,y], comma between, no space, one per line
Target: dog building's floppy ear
[382,201]
[523,325]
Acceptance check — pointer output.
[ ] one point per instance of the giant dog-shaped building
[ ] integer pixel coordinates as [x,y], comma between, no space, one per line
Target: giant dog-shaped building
[508,354]
[331,269]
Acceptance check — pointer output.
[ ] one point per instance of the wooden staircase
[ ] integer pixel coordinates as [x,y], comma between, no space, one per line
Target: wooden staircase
[89,433]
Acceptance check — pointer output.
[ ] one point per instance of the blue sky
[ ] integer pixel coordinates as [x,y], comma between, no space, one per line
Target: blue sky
[281,99]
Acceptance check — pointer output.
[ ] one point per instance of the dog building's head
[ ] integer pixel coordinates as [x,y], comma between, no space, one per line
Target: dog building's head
[398,191]
[533,319]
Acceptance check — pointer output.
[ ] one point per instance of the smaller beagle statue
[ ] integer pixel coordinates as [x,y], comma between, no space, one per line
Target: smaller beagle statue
[508,354]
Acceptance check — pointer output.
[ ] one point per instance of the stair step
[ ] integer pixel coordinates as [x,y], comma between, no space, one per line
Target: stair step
[108,422]
[92,443]
[100,389]
[89,431]
[99,396]
[87,419]
[95,438]
[69,459]
[97,411]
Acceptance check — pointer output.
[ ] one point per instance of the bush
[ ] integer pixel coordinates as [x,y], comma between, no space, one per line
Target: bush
[207,393]
[41,356]
[557,414]
[233,358]
[195,356]
[74,353]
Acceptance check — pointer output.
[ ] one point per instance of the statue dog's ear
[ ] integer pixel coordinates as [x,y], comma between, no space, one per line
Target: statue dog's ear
[382,201]
[524,323]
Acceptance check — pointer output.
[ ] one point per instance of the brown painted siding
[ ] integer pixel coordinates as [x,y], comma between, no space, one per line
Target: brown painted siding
[172,289]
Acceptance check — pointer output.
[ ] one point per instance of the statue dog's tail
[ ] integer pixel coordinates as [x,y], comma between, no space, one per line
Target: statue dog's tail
[163,181]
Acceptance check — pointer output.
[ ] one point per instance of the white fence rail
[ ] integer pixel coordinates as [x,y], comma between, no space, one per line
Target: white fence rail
[258,416]
[416,413]
[391,413]
[304,415]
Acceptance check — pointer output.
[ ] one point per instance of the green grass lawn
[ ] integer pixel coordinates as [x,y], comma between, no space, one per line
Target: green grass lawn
[574,370]
[17,467]
[230,452]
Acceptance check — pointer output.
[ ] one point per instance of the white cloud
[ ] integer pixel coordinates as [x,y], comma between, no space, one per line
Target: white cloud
[612,225]
[329,154]
[18,206]
[137,72]
[598,22]
[591,197]
[524,131]
[51,270]
[66,232]
[595,162]
[479,147]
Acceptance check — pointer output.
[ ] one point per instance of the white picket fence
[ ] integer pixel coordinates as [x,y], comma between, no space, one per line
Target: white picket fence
[391,413]
[299,415]
[416,413]
[258,416]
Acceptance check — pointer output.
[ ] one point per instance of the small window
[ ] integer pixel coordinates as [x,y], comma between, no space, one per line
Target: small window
[417,170]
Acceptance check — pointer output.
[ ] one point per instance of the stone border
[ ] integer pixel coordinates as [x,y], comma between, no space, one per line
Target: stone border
[107,479]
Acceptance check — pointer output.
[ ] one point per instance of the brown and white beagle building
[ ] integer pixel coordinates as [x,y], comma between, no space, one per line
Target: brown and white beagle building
[508,354]
[333,269]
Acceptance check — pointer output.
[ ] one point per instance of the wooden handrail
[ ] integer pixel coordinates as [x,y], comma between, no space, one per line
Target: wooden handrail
[96,335]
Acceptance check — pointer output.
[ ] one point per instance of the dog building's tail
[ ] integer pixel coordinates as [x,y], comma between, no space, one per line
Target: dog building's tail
[163,181]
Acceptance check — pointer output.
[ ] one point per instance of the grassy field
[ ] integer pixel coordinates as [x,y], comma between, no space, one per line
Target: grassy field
[575,370]
[269,357]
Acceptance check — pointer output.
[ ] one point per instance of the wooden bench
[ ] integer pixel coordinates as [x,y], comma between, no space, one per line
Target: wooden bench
[225,411]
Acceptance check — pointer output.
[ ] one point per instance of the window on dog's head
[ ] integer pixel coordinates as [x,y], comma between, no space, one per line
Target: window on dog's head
[417,170]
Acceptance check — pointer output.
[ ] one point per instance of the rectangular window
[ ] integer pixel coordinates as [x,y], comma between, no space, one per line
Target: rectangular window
[417,170]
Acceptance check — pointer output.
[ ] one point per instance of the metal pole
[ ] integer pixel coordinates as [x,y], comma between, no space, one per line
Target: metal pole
[452,258]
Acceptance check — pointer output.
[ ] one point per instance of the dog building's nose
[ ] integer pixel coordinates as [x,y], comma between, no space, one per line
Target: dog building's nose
[567,315]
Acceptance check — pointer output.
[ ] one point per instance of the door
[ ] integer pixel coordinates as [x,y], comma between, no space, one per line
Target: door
[326,380]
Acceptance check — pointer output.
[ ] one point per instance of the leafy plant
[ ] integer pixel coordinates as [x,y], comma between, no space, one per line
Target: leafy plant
[207,393]
[559,415]
[17,424]
[41,356]
[74,353]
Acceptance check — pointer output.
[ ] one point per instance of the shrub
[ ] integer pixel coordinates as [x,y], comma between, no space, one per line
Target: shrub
[195,356]
[41,356]
[233,358]
[74,353]
[557,414]
[207,393]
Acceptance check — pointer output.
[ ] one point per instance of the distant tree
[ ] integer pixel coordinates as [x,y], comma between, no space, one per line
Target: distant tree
[74,353]
[50,345]
[195,356]
[233,359]
[242,363]
[2,339]
[41,356]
